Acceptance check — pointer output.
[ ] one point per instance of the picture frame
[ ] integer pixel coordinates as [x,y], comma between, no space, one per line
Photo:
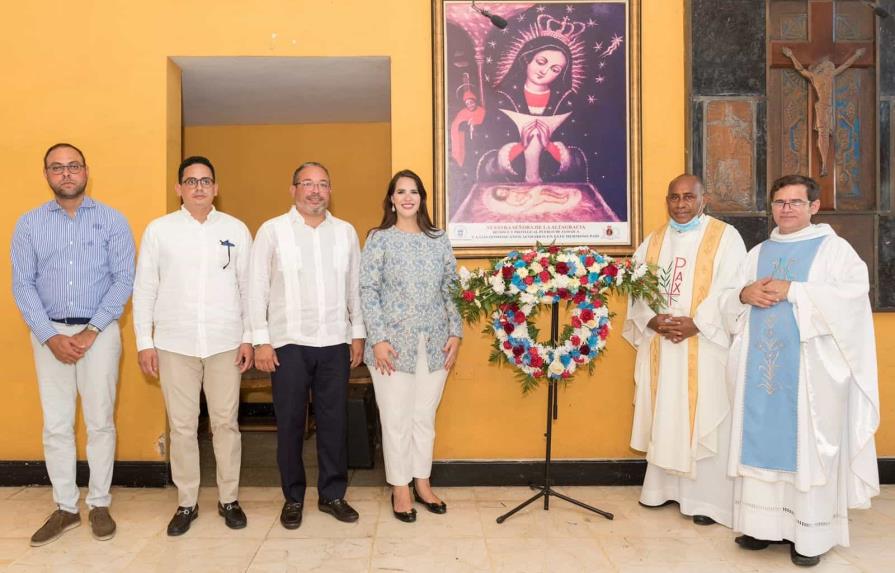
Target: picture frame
[537,125]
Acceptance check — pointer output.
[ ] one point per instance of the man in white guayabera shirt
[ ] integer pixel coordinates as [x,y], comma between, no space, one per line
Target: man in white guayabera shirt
[192,287]
[308,332]
[681,401]
[806,400]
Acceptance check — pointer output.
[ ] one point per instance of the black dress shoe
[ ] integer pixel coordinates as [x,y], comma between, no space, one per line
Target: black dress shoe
[233,515]
[339,509]
[703,520]
[290,516]
[669,502]
[802,560]
[405,516]
[439,508]
[749,542]
[183,518]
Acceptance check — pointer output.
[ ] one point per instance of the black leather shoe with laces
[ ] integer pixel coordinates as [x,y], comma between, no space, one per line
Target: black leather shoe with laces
[290,517]
[233,515]
[183,518]
[339,509]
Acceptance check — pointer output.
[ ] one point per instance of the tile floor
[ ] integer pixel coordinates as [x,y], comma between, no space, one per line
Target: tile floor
[466,539]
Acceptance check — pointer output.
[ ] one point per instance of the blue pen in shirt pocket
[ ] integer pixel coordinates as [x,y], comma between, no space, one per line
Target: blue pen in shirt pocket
[229,245]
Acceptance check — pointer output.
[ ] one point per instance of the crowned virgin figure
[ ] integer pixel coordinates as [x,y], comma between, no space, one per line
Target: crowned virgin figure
[536,80]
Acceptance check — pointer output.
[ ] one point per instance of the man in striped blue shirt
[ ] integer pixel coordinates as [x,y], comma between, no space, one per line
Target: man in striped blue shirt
[73,271]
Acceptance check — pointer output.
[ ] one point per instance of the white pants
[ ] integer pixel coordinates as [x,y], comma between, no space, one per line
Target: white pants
[94,377]
[407,405]
[183,378]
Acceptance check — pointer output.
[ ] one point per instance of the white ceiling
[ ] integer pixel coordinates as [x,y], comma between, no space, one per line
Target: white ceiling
[259,90]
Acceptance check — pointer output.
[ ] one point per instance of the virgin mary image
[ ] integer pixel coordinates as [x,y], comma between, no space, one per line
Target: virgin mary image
[536,156]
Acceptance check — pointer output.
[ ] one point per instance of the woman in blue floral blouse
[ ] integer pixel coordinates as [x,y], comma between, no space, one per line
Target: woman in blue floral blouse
[413,334]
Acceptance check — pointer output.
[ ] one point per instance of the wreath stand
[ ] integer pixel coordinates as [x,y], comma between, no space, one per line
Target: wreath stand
[546,490]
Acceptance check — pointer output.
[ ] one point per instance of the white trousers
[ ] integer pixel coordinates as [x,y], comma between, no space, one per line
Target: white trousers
[183,378]
[95,378]
[407,404]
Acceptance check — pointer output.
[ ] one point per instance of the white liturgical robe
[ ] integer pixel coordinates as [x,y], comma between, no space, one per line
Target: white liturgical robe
[837,400]
[686,452]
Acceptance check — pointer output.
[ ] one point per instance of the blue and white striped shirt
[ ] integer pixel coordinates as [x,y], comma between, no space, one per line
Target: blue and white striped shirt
[64,267]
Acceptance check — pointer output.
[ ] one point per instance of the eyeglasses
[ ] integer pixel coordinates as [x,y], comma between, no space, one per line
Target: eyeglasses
[192,182]
[309,186]
[58,168]
[792,204]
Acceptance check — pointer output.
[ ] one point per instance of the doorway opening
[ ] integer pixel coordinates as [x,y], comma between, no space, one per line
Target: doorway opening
[257,119]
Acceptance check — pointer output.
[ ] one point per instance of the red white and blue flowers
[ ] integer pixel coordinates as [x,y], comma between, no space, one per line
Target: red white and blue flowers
[511,291]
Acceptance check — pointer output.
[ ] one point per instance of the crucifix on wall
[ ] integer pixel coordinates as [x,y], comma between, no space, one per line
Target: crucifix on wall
[819,60]
[821,76]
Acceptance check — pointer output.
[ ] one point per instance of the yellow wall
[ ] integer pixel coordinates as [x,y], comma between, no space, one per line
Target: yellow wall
[174,135]
[254,165]
[99,76]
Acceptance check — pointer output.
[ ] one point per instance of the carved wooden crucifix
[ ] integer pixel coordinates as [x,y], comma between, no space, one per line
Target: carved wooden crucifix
[824,58]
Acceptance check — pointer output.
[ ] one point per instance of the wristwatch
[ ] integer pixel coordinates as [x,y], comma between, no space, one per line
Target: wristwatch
[92,328]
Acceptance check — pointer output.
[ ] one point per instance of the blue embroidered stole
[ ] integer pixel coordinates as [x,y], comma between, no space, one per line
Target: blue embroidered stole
[770,417]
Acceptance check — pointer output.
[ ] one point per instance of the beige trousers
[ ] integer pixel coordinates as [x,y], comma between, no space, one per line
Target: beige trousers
[407,404]
[182,378]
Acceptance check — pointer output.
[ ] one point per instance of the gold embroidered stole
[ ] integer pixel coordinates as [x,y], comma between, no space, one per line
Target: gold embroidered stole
[702,282]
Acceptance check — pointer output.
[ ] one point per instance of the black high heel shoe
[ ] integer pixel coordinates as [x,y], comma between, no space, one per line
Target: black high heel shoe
[405,516]
[438,508]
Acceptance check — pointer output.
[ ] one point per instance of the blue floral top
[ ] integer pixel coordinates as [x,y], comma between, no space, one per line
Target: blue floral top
[405,282]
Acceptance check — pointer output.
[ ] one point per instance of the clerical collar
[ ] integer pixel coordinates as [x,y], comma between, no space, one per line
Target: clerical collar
[690,225]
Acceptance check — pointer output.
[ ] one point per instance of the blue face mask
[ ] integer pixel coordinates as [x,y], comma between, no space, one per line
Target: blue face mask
[688,226]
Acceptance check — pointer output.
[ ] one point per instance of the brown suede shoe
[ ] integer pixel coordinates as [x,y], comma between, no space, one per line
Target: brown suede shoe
[101,523]
[58,523]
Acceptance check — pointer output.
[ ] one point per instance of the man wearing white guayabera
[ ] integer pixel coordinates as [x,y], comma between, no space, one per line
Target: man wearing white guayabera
[681,400]
[304,304]
[803,358]
[191,321]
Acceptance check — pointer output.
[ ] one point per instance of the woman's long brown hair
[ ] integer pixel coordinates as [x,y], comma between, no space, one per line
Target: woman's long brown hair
[390,217]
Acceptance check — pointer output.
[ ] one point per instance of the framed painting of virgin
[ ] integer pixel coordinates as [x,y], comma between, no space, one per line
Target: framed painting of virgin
[537,124]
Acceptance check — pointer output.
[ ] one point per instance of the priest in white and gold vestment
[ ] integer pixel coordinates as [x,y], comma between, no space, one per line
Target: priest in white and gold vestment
[682,402]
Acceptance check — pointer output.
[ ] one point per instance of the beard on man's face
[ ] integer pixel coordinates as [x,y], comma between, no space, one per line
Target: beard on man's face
[68,189]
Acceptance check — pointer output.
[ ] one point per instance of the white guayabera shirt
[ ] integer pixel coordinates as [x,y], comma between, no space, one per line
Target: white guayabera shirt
[304,285]
[192,284]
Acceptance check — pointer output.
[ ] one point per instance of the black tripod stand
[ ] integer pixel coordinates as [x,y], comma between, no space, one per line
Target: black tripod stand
[546,490]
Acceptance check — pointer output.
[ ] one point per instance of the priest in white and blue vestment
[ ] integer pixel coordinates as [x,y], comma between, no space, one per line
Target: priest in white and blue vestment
[806,402]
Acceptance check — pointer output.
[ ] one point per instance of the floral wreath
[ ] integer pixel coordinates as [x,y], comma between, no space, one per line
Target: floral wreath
[513,289]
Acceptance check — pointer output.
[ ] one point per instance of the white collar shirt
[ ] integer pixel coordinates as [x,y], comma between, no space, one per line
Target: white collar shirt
[191,284]
[304,287]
